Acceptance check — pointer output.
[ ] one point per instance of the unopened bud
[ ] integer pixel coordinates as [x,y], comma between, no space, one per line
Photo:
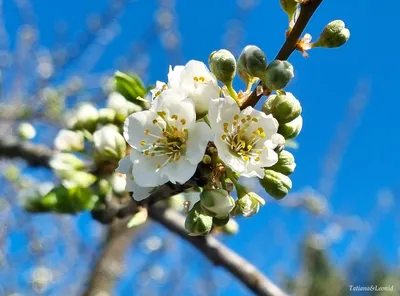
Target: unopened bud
[220,221]
[283,107]
[198,223]
[217,201]
[69,141]
[26,131]
[232,227]
[335,34]
[87,117]
[291,129]
[276,184]
[109,143]
[223,65]
[252,63]
[290,7]
[122,107]
[285,164]
[107,115]
[278,75]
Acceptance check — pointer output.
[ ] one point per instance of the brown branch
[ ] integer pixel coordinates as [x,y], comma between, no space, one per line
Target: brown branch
[307,11]
[107,269]
[214,250]
[217,253]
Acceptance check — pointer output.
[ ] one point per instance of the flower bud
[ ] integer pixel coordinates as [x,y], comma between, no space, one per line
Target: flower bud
[109,143]
[278,75]
[122,107]
[276,184]
[26,131]
[248,202]
[335,34]
[197,223]
[118,184]
[232,227]
[290,7]
[87,116]
[68,141]
[283,107]
[221,221]
[223,65]
[279,141]
[251,63]
[66,162]
[285,164]
[107,115]
[291,129]
[217,202]
[130,86]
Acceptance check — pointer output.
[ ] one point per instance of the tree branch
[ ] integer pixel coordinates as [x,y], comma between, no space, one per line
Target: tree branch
[217,253]
[107,269]
[306,12]
[214,250]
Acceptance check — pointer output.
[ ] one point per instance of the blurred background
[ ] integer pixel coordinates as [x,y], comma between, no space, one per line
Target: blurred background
[340,225]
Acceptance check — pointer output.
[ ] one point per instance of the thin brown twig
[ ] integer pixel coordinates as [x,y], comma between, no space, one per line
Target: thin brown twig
[306,12]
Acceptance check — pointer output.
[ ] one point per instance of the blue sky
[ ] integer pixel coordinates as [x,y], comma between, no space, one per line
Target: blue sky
[324,83]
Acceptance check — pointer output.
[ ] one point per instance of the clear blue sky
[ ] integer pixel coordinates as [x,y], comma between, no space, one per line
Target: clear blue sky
[325,84]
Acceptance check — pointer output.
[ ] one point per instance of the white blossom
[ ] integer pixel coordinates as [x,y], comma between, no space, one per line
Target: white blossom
[109,142]
[197,81]
[125,167]
[244,139]
[87,113]
[26,131]
[67,140]
[160,87]
[166,140]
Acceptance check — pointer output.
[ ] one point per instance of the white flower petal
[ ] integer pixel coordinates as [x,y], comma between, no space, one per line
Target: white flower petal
[180,171]
[145,170]
[174,76]
[125,166]
[199,136]
[222,110]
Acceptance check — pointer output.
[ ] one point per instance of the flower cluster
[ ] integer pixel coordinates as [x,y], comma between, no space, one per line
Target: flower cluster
[194,122]
[193,129]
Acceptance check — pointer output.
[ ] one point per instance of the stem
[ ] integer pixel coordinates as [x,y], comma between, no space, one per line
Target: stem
[231,91]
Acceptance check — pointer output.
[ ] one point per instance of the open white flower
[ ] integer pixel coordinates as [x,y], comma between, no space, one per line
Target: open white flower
[125,167]
[67,140]
[197,81]
[244,139]
[167,141]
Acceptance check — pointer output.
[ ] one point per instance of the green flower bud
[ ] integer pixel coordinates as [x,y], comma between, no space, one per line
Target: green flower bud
[223,65]
[217,202]
[197,223]
[283,107]
[252,63]
[248,202]
[231,227]
[26,131]
[87,116]
[290,7]
[285,164]
[107,115]
[130,86]
[335,34]
[219,222]
[278,75]
[291,129]
[276,184]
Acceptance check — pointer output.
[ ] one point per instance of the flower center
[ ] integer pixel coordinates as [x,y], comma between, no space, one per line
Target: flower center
[241,141]
[171,142]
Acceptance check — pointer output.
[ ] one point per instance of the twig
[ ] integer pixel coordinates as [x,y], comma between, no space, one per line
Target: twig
[307,11]
[214,250]
[217,253]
